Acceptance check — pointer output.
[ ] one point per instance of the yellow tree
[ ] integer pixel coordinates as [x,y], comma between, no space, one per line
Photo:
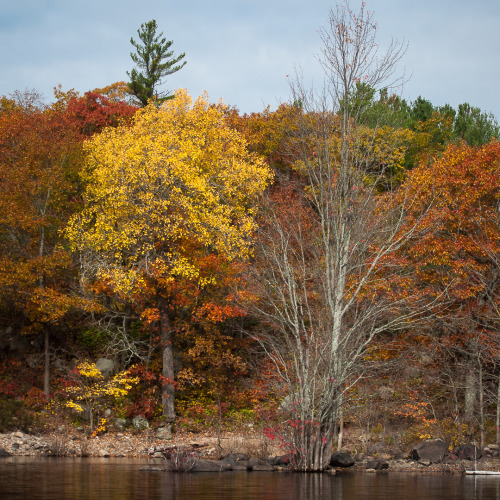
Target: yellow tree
[90,389]
[178,178]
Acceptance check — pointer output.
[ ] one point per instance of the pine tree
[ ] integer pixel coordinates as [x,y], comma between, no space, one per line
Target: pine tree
[154,60]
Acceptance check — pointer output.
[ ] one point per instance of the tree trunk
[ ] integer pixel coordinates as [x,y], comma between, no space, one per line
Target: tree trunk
[168,388]
[340,437]
[481,405]
[498,413]
[46,375]
[470,397]
[312,444]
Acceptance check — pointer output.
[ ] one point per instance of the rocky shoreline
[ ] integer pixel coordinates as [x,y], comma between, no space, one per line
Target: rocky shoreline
[207,453]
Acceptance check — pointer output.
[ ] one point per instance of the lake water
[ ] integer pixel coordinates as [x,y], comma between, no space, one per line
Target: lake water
[121,479]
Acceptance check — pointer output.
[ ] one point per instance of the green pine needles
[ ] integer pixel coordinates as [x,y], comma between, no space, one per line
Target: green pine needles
[154,60]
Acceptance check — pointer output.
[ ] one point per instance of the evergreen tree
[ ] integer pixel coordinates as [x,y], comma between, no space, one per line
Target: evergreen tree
[154,60]
[474,126]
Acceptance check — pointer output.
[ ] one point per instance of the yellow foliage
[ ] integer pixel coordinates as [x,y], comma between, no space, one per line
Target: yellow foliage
[178,174]
[92,388]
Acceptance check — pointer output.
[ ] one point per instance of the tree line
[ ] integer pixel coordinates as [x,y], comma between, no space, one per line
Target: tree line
[234,260]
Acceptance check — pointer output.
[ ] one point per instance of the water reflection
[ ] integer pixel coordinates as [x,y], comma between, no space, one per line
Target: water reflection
[122,479]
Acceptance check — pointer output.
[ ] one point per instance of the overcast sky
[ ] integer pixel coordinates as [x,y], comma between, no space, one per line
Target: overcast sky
[242,50]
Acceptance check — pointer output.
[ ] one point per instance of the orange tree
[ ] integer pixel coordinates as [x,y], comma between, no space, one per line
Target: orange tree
[40,160]
[40,154]
[455,259]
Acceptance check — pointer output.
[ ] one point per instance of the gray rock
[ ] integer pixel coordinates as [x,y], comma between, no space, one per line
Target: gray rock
[253,462]
[164,433]
[209,466]
[105,366]
[341,459]
[263,468]
[430,449]
[140,423]
[468,452]
[232,462]
[120,423]
[104,453]
[377,464]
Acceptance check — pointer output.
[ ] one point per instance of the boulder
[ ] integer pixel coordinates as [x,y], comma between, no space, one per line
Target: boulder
[236,464]
[105,366]
[120,423]
[209,466]
[377,464]
[341,459]
[255,462]
[282,460]
[140,423]
[263,468]
[4,453]
[430,449]
[468,451]
[164,433]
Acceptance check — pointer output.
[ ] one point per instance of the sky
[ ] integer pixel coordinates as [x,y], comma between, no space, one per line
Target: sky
[245,52]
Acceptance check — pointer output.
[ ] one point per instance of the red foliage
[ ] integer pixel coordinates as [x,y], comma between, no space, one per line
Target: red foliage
[93,112]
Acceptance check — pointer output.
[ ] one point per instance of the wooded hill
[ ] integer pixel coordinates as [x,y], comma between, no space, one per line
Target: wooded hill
[292,269]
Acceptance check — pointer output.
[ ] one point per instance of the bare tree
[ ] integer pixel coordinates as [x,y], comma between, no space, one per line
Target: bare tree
[325,265]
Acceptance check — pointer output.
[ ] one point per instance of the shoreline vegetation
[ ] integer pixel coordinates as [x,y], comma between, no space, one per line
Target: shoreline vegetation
[250,451]
[321,276]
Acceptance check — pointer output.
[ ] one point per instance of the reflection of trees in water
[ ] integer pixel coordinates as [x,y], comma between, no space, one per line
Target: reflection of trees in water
[321,485]
[122,479]
[481,488]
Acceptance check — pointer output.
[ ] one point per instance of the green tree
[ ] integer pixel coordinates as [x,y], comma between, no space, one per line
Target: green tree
[421,110]
[473,126]
[154,60]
